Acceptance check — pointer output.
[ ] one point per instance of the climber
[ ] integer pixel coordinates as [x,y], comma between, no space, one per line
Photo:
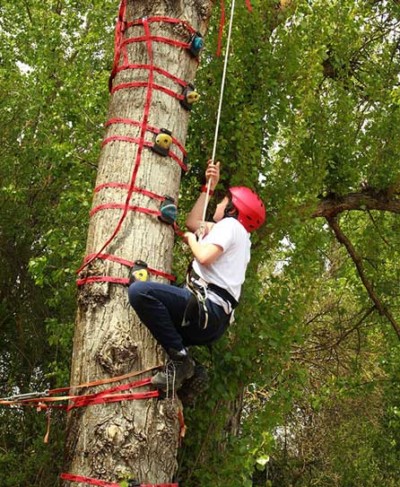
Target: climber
[199,313]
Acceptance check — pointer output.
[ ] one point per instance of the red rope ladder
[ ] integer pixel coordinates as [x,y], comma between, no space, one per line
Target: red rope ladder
[121,54]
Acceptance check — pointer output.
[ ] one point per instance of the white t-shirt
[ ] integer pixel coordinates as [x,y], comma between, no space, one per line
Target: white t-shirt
[229,269]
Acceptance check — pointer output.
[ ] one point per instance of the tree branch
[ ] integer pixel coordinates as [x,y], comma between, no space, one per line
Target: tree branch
[367,199]
[341,237]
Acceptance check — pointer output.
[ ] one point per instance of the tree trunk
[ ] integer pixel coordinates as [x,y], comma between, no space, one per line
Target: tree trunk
[131,438]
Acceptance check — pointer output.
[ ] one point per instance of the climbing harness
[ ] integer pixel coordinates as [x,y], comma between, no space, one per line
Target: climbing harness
[196,311]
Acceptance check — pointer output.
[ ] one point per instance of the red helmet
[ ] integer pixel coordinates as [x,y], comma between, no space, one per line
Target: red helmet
[251,210]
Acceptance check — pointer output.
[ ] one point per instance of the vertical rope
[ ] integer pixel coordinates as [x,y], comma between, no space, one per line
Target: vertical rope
[221,96]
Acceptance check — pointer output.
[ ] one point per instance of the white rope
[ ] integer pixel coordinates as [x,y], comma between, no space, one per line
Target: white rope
[221,96]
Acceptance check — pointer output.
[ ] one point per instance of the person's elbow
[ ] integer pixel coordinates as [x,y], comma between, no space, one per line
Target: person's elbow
[206,260]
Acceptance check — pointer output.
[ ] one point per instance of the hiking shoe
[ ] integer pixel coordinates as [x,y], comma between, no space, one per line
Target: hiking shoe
[179,368]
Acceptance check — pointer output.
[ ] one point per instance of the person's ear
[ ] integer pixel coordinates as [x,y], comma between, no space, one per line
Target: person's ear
[232,212]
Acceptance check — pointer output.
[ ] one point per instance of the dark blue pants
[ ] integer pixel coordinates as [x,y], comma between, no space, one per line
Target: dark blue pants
[161,308]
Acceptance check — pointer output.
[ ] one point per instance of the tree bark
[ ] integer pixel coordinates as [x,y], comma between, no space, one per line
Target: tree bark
[140,438]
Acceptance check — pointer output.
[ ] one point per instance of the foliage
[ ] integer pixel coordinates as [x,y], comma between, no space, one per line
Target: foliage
[305,387]
[52,54]
[318,98]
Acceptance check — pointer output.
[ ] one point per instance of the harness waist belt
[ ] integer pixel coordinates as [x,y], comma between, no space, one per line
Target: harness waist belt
[220,291]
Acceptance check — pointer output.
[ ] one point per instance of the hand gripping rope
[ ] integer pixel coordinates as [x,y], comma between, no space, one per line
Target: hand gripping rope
[221,95]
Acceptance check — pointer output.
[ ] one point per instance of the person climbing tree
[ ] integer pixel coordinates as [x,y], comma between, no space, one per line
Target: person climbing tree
[200,312]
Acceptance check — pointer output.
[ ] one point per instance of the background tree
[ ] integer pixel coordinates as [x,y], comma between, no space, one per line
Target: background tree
[312,104]
[48,151]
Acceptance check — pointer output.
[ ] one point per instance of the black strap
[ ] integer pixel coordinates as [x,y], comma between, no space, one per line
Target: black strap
[219,291]
[223,293]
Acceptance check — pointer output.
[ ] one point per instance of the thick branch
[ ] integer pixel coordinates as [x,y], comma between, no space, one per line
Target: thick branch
[341,237]
[366,200]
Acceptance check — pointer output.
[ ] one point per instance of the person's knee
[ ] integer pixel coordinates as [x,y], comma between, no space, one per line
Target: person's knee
[136,292]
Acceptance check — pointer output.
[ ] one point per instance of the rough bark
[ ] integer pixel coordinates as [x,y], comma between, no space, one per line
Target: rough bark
[131,438]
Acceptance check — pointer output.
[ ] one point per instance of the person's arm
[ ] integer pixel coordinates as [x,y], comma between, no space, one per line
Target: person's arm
[194,219]
[205,254]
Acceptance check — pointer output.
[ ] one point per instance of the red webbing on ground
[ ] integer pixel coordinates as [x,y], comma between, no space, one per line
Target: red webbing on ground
[102,483]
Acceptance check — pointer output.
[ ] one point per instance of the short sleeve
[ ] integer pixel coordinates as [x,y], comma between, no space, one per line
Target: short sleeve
[221,234]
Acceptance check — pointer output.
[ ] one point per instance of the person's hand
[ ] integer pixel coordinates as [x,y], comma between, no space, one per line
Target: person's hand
[203,230]
[187,236]
[212,173]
